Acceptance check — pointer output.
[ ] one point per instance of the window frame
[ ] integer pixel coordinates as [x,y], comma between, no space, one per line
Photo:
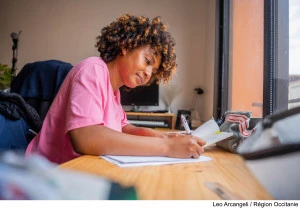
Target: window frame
[221,83]
[276,57]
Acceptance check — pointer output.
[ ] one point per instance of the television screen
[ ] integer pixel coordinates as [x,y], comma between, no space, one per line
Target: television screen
[141,95]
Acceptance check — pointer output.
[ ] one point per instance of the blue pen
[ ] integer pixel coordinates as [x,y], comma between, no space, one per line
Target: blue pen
[185,125]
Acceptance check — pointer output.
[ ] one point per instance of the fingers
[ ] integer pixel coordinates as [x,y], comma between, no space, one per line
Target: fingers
[195,155]
[197,150]
[200,141]
[193,146]
[185,146]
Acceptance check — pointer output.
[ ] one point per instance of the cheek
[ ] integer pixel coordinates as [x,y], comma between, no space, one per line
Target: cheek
[127,66]
[131,65]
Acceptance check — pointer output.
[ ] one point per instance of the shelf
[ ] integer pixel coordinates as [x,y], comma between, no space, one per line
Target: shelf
[152,116]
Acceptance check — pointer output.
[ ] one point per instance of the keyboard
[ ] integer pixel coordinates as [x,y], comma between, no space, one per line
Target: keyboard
[148,123]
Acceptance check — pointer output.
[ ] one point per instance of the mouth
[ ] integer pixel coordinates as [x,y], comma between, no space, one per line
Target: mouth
[140,79]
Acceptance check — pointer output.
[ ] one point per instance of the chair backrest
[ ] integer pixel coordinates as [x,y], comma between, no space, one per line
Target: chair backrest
[14,134]
[39,82]
[18,122]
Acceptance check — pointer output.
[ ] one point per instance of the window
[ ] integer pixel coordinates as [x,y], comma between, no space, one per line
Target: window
[258,49]
[294,54]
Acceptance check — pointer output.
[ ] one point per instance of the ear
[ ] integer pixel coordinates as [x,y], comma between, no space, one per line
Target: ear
[124,51]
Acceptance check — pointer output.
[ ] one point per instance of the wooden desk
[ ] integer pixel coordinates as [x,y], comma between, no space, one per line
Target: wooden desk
[179,181]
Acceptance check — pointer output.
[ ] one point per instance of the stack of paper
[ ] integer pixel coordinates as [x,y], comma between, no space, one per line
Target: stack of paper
[130,161]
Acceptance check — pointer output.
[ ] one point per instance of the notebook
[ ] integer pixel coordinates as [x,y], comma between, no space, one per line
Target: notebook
[130,161]
[210,132]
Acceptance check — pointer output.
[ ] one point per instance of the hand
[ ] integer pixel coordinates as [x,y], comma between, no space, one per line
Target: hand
[184,146]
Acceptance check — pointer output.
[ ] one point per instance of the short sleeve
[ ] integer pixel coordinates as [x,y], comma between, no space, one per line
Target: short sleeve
[88,94]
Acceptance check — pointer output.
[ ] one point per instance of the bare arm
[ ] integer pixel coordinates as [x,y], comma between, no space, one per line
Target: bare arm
[100,140]
[142,131]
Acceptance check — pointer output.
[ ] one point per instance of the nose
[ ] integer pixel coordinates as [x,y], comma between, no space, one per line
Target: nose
[148,73]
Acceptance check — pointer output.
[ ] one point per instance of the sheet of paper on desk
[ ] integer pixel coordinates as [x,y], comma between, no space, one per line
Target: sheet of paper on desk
[210,132]
[130,161]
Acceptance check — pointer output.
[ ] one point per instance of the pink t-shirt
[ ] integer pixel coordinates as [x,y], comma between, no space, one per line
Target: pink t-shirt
[85,98]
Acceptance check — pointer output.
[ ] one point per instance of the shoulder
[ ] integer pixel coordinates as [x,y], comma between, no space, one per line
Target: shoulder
[91,61]
[92,66]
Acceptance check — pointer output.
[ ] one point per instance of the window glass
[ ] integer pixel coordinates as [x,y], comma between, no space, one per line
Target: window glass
[294,53]
[246,56]
[246,44]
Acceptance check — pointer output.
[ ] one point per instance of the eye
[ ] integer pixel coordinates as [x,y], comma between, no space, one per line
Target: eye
[147,61]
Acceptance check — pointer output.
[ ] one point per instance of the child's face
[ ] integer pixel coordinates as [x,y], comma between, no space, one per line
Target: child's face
[136,66]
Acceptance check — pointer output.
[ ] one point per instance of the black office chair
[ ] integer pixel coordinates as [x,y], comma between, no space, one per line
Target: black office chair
[39,82]
[23,109]
[18,122]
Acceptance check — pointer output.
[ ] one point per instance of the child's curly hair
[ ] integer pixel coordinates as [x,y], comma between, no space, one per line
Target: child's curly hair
[129,32]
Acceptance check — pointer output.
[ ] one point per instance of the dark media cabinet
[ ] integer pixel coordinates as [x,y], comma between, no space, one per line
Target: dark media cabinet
[146,118]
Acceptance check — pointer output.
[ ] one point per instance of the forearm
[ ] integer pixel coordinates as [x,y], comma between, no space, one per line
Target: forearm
[141,131]
[100,140]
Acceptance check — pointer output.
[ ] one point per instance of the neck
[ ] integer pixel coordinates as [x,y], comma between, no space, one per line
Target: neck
[114,76]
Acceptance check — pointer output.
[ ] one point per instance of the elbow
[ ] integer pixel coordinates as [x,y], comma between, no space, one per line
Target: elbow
[83,144]
[76,143]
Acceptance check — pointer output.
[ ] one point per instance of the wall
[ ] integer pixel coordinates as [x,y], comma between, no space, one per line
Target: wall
[67,30]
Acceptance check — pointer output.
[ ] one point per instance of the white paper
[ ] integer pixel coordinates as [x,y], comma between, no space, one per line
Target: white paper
[130,161]
[207,129]
[210,140]
[210,132]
